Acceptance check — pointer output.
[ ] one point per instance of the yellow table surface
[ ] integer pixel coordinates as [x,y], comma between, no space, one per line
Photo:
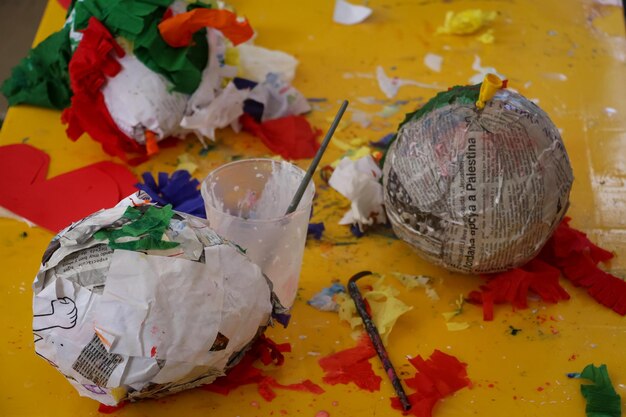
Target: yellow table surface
[521,375]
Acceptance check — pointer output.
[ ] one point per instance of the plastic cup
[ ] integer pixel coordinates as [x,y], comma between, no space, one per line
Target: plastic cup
[246,203]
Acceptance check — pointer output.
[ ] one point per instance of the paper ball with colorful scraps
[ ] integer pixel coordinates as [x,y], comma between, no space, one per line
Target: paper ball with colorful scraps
[477,179]
[140,301]
[132,73]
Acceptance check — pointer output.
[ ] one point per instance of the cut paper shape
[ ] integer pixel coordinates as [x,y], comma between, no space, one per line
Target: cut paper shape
[179,189]
[438,377]
[350,14]
[177,31]
[390,85]
[433,61]
[291,137]
[57,202]
[602,399]
[352,366]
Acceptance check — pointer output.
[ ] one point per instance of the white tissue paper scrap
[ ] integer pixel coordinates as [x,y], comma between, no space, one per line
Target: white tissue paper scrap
[123,325]
[222,111]
[359,182]
[390,85]
[256,62]
[433,61]
[350,14]
[279,98]
[482,71]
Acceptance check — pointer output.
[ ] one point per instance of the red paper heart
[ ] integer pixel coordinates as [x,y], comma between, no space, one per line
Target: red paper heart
[57,202]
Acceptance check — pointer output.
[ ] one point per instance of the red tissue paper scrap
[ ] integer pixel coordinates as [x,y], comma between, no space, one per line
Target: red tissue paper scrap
[437,377]
[57,202]
[245,373]
[577,257]
[177,31]
[569,253]
[94,60]
[352,365]
[513,287]
[292,137]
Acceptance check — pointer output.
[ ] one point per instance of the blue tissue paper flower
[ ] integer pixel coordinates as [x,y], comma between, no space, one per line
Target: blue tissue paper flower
[179,189]
[384,142]
[316,230]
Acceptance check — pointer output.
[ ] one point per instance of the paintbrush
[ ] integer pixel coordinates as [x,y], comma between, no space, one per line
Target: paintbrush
[372,331]
[316,160]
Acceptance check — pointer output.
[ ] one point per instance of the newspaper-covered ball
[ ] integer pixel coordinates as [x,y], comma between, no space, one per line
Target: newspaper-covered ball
[477,190]
[139,301]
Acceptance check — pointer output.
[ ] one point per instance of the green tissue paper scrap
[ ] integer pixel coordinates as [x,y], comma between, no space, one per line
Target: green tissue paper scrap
[602,400]
[149,225]
[42,78]
[137,21]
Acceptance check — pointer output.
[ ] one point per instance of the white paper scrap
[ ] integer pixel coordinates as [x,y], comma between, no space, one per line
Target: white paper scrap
[391,85]
[256,62]
[482,71]
[224,110]
[350,14]
[359,181]
[433,61]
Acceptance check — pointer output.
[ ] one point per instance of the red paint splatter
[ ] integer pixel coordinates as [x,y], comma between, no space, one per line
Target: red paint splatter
[515,397]
[352,365]
[539,389]
[436,378]
[153,351]
[573,357]
[490,385]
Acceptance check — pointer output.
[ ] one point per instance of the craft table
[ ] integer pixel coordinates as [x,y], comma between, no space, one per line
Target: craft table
[569,56]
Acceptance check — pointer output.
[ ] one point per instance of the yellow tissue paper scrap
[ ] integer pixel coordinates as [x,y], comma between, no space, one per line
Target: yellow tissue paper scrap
[456,326]
[185,162]
[466,22]
[415,281]
[384,306]
[487,37]
[353,154]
